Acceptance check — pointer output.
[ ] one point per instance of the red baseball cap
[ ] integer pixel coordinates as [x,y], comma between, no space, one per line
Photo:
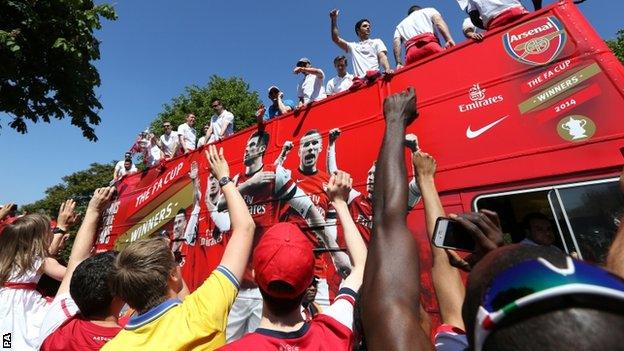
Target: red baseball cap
[284,254]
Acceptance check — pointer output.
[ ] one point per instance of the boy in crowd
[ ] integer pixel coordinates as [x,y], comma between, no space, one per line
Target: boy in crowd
[283,263]
[163,322]
[83,315]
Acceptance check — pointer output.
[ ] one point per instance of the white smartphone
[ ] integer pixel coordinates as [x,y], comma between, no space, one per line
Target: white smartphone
[449,234]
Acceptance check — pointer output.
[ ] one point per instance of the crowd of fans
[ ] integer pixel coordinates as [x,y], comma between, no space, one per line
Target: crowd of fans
[416,36]
[523,296]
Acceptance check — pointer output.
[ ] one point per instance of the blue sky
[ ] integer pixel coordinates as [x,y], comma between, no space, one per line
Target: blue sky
[158,47]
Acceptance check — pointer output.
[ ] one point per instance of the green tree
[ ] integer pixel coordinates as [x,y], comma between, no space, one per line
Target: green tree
[234,95]
[617,45]
[46,50]
[78,186]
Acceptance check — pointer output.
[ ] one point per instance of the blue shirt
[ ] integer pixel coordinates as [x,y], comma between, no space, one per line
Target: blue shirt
[273,111]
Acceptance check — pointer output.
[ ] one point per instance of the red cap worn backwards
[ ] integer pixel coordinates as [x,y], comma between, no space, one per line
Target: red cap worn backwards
[284,254]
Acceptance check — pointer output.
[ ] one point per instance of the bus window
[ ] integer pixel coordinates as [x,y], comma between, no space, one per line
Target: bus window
[592,211]
[526,216]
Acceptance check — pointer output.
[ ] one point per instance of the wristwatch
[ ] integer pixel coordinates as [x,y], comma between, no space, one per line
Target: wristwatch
[224,180]
[58,230]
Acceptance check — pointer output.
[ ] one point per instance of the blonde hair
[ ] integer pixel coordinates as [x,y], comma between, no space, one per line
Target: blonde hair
[22,243]
[141,272]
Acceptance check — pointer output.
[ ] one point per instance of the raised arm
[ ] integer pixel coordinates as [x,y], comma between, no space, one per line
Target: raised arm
[238,248]
[279,161]
[446,278]
[85,237]
[332,164]
[67,216]
[439,23]
[338,191]
[390,294]
[333,15]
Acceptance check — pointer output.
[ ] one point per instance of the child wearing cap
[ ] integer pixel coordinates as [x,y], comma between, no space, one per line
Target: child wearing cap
[283,263]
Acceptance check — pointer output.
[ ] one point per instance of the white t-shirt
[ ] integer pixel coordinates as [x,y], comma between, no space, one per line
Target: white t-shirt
[169,143]
[311,88]
[418,22]
[488,9]
[188,136]
[364,55]
[201,142]
[223,121]
[339,84]
[61,309]
[121,171]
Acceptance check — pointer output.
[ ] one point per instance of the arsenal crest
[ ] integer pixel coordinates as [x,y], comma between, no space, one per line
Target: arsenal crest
[536,42]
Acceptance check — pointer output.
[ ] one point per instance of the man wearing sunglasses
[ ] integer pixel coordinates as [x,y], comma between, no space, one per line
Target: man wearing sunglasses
[169,141]
[187,135]
[221,123]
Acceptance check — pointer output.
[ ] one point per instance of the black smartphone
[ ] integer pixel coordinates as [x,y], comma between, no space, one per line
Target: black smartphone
[449,234]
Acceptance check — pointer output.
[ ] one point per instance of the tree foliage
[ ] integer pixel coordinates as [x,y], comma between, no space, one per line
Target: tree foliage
[233,93]
[46,50]
[617,45]
[78,186]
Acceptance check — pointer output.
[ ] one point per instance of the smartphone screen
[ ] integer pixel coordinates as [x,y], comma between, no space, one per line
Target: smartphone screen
[450,234]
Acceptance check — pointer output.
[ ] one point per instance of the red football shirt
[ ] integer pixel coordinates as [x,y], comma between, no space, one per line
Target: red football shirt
[79,334]
[329,330]
[263,203]
[312,185]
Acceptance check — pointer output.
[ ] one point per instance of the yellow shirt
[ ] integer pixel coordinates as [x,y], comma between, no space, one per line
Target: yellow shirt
[197,323]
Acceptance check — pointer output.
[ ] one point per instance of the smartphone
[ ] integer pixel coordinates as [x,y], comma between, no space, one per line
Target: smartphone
[449,234]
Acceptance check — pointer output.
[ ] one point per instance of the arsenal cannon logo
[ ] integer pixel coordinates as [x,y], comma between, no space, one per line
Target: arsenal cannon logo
[536,42]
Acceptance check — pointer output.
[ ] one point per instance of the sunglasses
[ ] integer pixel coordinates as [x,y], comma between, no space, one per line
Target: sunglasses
[538,281]
[166,126]
[215,106]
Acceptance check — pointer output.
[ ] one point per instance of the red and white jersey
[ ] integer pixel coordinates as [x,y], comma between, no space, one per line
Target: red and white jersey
[264,203]
[63,329]
[329,330]
[417,23]
[488,9]
[313,185]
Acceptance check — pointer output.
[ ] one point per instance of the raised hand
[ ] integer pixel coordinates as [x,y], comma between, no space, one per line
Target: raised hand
[333,14]
[401,106]
[67,214]
[339,186]
[5,210]
[485,229]
[100,198]
[218,164]
[288,145]
[424,164]
[333,135]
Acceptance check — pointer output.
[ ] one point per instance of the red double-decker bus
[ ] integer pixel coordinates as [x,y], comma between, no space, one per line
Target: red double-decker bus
[525,121]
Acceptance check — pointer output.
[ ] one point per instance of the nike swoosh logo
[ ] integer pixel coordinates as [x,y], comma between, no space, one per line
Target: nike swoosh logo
[470,134]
